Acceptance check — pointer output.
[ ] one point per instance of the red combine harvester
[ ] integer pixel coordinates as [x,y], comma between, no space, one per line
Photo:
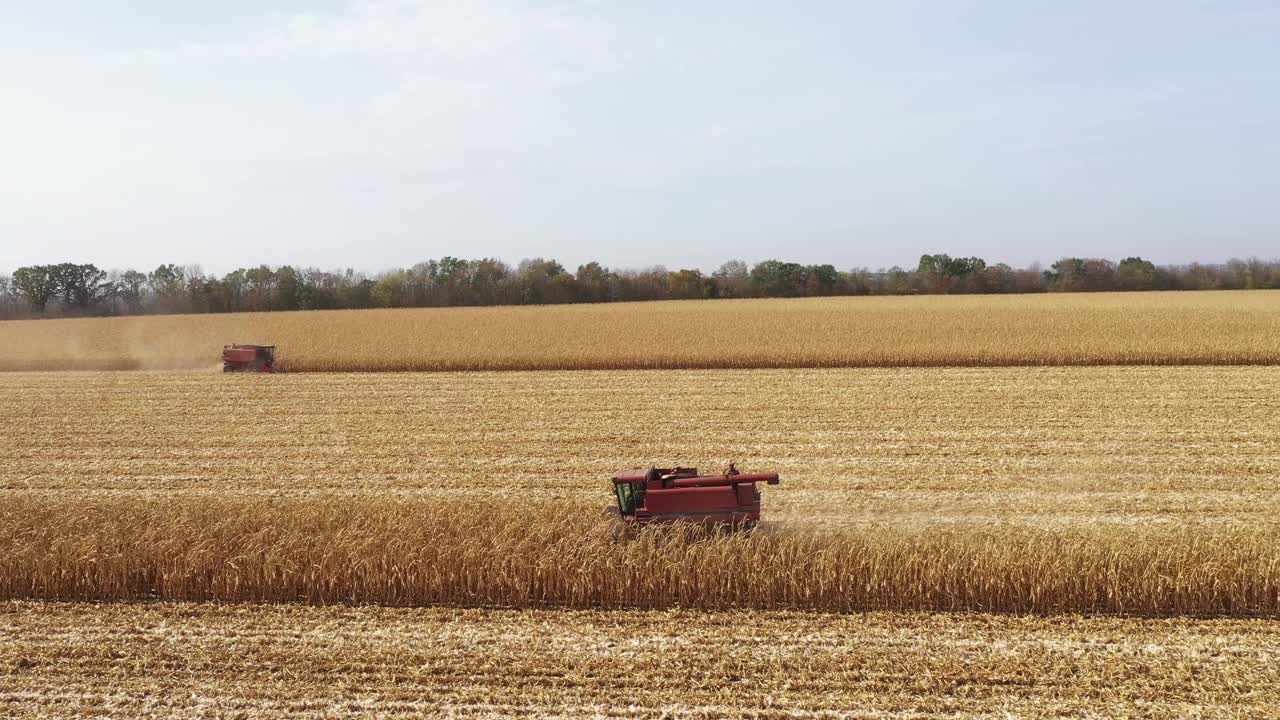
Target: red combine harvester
[249,358]
[679,494]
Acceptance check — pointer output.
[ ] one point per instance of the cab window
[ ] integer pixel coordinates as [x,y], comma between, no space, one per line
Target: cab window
[626,497]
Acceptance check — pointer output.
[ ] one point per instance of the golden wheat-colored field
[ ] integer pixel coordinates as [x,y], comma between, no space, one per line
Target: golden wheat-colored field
[1196,328]
[1120,489]
[398,552]
[1121,522]
[255,661]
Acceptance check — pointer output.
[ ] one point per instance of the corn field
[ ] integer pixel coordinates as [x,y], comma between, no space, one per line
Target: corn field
[1187,328]
[536,555]
[946,541]
[1053,490]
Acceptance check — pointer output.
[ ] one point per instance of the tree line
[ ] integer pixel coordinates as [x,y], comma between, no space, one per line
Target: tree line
[70,290]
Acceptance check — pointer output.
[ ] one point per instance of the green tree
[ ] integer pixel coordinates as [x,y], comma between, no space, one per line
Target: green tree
[820,280]
[393,289]
[259,282]
[1065,274]
[453,279]
[208,294]
[235,285]
[131,287]
[941,270]
[774,278]
[167,281]
[81,286]
[544,281]
[594,283]
[1134,273]
[933,264]
[490,282]
[37,283]
[1074,274]
[288,291]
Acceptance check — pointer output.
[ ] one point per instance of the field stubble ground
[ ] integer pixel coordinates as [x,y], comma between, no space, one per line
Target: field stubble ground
[266,661]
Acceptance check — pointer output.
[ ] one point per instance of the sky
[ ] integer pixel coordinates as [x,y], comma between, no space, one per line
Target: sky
[375,134]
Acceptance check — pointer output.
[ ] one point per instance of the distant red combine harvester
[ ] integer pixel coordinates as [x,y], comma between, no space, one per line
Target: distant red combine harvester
[249,358]
[679,494]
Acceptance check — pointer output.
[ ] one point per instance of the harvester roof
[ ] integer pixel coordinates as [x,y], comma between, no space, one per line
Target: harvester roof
[631,476]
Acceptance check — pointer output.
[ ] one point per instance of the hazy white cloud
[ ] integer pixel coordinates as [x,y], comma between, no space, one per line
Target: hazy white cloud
[383,28]
[414,31]
[377,132]
[432,72]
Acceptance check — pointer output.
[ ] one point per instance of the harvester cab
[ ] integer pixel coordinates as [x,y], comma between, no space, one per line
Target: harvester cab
[248,358]
[680,494]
